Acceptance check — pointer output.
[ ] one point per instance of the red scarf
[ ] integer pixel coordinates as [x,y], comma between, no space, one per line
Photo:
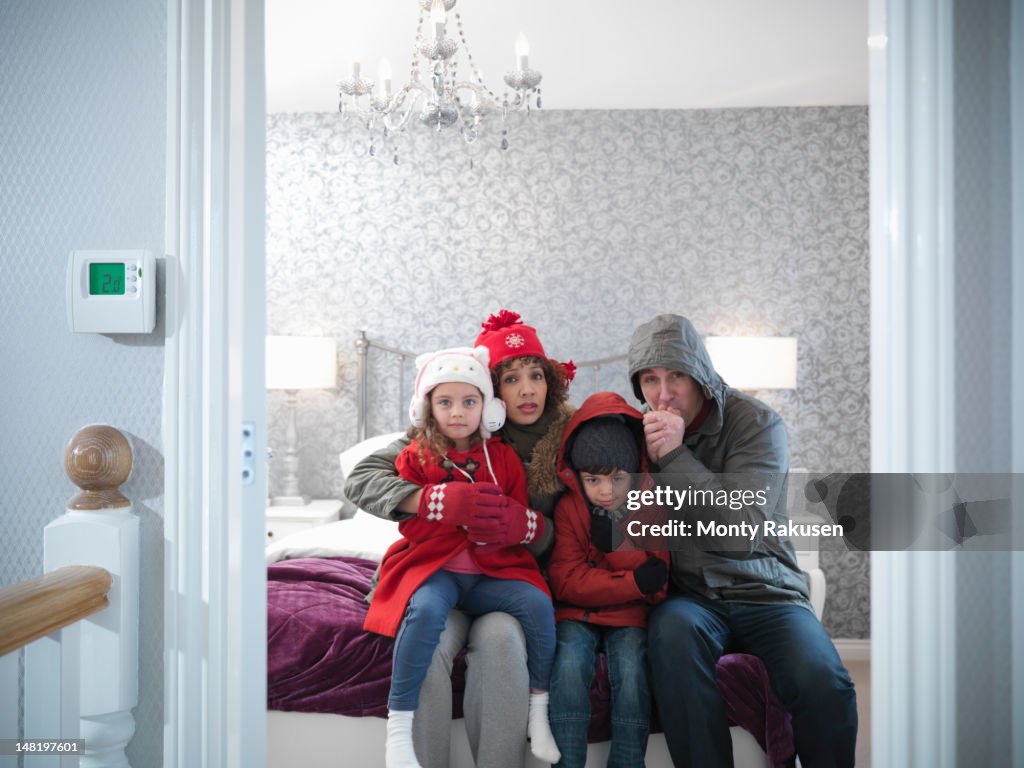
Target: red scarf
[701,417]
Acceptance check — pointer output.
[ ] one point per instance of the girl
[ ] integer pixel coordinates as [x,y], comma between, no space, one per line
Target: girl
[523,376]
[463,547]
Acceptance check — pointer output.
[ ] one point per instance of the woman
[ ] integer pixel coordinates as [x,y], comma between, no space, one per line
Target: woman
[496,701]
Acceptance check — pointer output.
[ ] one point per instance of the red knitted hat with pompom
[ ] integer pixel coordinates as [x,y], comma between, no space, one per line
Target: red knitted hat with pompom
[506,336]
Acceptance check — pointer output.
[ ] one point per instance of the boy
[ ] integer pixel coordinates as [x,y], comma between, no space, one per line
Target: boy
[603,590]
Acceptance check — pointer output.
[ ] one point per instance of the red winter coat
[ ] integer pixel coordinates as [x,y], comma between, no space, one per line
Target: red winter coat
[426,545]
[588,584]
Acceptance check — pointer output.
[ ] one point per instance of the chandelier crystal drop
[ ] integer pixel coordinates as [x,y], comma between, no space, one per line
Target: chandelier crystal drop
[435,95]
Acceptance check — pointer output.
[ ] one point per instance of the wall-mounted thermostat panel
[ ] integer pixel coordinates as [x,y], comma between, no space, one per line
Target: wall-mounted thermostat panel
[111,291]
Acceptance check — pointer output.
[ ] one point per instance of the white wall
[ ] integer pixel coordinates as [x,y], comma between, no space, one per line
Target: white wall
[82,136]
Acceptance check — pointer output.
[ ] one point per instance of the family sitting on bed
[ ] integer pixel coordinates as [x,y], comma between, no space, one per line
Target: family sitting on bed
[721,598]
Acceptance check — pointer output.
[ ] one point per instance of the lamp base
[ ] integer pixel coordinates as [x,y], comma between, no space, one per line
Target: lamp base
[289,501]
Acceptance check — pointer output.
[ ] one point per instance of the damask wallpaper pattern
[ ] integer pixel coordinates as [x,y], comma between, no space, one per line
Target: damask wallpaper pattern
[750,222]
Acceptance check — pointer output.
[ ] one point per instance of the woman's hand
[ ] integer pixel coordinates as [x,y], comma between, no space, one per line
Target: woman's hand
[510,524]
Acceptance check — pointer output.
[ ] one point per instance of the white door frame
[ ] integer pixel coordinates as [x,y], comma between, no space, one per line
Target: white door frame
[215,655]
[913,406]
[913,611]
[214,573]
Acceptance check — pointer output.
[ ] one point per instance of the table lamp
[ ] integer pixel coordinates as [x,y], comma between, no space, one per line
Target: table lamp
[754,362]
[294,363]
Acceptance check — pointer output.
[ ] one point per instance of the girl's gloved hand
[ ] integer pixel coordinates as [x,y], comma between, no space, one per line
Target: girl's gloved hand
[459,503]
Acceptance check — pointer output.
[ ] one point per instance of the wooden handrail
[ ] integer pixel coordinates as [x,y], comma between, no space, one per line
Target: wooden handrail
[36,607]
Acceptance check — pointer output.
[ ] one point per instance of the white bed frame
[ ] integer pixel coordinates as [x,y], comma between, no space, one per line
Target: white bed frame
[319,740]
[404,362]
[315,740]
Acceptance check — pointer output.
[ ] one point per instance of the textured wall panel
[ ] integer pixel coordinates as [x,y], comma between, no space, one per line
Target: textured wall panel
[748,221]
[82,138]
[983,229]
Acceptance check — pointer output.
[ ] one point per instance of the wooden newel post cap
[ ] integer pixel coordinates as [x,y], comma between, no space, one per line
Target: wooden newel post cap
[98,459]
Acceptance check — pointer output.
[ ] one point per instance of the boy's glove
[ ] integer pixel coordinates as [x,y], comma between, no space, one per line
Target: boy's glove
[459,503]
[604,532]
[651,576]
[513,524]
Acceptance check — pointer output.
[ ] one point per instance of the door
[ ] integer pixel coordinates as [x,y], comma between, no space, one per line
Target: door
[214,410]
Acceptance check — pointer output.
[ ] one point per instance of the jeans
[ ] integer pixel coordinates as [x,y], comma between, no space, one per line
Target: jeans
[569,705]
[687,635]
[476,594]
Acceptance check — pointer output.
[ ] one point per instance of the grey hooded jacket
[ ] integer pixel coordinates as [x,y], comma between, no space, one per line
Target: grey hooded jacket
[741,445]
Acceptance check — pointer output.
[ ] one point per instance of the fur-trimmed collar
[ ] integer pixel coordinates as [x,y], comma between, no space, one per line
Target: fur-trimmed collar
[542,470]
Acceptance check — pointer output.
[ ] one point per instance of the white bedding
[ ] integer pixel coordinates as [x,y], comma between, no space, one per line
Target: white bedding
[352,456]
[363,536]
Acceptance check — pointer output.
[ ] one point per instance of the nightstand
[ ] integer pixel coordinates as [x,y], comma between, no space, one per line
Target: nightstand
[282,521]
[807,547]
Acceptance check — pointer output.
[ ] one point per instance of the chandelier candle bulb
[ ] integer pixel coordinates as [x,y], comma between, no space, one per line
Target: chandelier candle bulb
[384,76]
[437,16]
[522,53]
[355,71]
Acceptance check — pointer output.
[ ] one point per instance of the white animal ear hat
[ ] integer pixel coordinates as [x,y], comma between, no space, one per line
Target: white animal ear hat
[458,364]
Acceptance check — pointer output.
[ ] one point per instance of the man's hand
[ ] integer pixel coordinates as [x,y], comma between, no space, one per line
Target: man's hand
[459,503]
[511,524]
[663,432]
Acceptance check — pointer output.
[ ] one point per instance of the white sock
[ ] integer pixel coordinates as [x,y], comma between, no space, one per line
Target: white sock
[542,741]
[398,749]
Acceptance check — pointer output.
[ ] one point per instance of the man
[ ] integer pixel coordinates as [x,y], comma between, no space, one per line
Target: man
[740,590]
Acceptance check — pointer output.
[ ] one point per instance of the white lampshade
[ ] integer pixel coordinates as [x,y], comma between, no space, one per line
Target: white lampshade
[301,362]
[754,362]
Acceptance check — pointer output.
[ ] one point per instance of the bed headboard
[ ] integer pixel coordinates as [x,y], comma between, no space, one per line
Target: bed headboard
[591,376]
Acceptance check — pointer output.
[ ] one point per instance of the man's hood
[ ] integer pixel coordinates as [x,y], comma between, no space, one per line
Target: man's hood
[671,341]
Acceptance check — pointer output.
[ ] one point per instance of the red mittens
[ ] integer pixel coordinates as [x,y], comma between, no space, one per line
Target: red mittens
[511,524]
[459,503]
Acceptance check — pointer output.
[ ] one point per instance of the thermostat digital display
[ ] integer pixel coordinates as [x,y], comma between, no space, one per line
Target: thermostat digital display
[106,279]
[111,291]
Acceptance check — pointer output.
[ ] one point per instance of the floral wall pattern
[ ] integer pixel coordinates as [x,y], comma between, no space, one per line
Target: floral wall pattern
[749,222]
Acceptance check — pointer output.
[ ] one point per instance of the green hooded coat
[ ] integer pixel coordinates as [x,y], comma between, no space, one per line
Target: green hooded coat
[741,445]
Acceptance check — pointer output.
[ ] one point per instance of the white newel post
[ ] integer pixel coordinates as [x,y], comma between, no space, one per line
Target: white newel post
[99,528]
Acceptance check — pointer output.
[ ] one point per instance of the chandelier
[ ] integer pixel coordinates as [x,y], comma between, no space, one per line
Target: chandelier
[434,94]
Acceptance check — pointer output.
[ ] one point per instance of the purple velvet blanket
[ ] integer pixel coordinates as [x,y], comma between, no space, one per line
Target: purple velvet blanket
[319,658]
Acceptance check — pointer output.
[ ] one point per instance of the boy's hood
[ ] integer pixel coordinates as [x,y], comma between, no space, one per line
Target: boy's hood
[595,406]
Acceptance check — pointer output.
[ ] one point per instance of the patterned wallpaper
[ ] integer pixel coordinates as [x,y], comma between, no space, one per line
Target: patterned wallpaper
[750,222]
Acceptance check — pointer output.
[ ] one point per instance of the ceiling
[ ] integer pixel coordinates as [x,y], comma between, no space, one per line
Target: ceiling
[594,54]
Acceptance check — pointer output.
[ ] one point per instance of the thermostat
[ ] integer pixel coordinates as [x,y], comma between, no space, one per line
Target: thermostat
[111,291]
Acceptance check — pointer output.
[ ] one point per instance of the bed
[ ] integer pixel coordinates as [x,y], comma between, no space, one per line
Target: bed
[328,680]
